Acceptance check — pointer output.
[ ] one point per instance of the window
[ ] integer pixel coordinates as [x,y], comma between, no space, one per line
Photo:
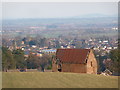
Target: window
[91,64]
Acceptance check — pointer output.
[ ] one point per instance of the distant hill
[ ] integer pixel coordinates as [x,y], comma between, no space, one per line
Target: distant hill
[80,26]
[57,80]
[97,15]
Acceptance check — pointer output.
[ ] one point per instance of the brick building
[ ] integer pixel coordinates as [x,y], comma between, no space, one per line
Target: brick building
[75,60]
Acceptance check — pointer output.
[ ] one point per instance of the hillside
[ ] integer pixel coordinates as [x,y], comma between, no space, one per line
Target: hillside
[57,80]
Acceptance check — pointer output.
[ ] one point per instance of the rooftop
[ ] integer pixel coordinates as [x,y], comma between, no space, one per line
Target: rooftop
[72,55]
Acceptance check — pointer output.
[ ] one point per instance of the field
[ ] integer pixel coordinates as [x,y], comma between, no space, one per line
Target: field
[57,80]
[0,80]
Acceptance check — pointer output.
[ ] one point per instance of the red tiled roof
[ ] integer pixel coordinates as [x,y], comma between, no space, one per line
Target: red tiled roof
[72,55]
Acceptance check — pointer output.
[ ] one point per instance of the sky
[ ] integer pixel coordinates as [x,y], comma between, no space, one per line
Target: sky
[16,10]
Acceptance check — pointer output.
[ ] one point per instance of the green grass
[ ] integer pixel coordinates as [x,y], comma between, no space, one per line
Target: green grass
[57,80]
[0,80]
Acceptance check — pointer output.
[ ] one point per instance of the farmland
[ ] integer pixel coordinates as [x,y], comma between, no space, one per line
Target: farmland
[57,80]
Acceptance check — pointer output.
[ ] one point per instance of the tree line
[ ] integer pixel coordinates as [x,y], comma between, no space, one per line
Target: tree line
[110,61]
[15,60]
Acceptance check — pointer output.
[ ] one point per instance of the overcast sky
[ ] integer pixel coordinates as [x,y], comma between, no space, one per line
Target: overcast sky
[52,10]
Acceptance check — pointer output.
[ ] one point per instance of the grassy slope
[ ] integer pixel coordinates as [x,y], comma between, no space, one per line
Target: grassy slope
[0,80]
[57,80]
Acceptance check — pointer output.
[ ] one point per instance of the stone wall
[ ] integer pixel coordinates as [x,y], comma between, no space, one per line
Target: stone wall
[91,64]
[54,66]
[77,68]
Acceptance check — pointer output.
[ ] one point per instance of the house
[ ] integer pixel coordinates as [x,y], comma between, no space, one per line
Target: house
[39,54]
[106,72]
[74,60]
[26,53]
